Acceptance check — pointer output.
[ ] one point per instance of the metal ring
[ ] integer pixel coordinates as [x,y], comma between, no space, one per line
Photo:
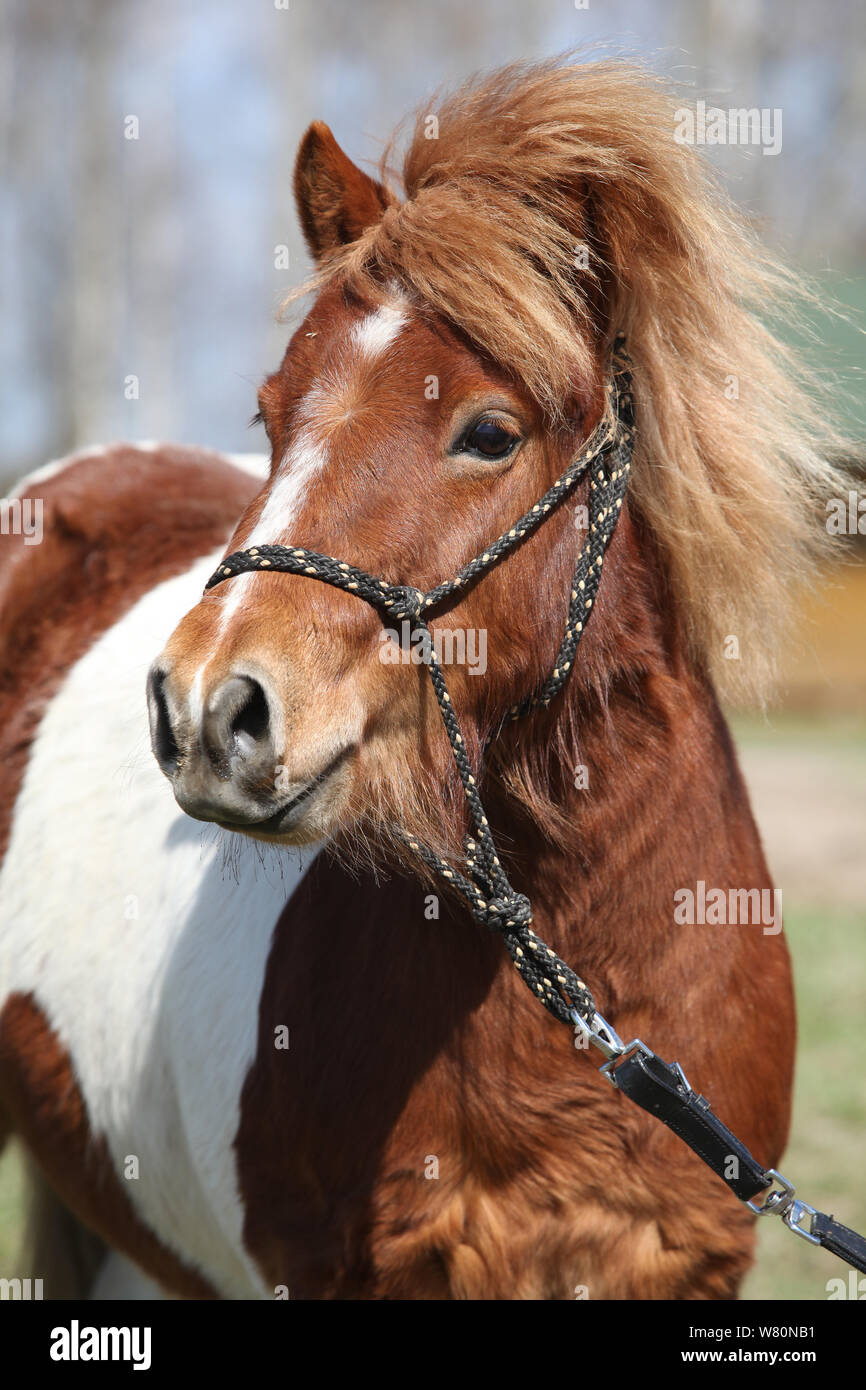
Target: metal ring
[775,1203]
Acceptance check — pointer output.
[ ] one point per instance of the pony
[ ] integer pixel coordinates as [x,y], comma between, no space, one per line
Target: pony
[273,1057]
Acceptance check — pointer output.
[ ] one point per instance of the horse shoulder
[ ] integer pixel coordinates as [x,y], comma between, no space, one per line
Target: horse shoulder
[133,954]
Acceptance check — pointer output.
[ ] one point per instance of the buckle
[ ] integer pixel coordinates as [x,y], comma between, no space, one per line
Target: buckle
[799,1211]
[778,1202]
[604,1036]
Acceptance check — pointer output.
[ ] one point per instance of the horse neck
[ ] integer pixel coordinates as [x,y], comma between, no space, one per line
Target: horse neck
[653,802]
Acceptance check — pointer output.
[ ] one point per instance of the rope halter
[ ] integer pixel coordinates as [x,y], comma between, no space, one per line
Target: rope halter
[605,459]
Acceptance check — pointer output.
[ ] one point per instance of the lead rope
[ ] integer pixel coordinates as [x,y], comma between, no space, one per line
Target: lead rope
[657,1086]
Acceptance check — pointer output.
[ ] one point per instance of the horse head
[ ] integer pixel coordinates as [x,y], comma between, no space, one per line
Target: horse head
[453,360]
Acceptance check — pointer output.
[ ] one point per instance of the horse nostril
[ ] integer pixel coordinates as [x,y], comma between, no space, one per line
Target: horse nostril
[250,724]
[162,737]
[236,724]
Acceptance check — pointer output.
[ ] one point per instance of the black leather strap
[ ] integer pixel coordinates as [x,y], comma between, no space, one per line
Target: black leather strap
[660,1088]
[847,1244]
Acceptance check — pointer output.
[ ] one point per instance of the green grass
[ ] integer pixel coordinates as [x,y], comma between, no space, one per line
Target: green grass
[11,1210]
[833,343]
[824,1158]
[843,733]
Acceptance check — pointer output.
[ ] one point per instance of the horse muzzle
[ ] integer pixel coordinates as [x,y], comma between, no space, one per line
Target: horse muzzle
[221,756]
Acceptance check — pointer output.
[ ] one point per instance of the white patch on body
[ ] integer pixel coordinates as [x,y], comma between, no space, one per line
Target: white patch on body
[145,951]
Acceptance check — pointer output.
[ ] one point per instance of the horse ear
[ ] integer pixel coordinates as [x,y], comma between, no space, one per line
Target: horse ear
[336,200]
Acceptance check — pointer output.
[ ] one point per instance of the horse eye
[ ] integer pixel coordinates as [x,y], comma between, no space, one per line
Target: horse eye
[490,439]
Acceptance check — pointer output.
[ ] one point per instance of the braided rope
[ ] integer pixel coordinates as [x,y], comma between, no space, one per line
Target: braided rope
[484,885]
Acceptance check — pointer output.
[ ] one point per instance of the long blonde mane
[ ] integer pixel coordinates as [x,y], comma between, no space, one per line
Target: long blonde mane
[533,163]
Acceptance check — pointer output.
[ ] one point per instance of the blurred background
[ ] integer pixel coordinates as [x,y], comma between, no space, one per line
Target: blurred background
[148,233]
